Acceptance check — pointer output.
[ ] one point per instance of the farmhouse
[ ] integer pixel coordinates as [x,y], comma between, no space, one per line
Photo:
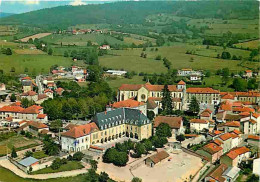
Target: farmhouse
[156,158]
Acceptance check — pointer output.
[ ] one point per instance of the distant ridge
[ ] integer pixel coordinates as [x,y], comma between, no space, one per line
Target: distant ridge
[3,14]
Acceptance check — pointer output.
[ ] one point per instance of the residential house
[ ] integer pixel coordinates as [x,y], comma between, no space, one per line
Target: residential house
[256,166]
[36,127]
[231,125]
[116,72]
[184,72]
[175,123]
[104,47]
[223,173]
[195,78]
[211,151]
[248,73]
[156,158]
[235,156]
[199,125]
[30,95]
[2,87]
[253,140]
[227,141]
[206,114]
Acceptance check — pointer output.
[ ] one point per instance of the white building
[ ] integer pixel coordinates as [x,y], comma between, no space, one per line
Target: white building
[77,138]
[199,124]
[116,72]
[256,166]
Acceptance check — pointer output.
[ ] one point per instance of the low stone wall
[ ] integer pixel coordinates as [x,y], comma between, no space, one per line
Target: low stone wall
[21,167]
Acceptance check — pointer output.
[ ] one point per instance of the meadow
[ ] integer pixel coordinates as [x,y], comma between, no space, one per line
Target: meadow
[254,44]
[204,59]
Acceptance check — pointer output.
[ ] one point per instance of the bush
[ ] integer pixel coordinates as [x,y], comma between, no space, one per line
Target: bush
[78,156]
[70,158]
[28,153]
[64,161]
[56,164]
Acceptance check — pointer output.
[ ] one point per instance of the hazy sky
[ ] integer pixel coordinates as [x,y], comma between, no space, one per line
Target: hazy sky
[21,6]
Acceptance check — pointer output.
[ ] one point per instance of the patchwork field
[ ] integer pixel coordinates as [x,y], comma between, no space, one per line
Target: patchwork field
[254,44]
[38,36]
[130,59]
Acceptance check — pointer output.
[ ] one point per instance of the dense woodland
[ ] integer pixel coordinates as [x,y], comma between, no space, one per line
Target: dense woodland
[133,12]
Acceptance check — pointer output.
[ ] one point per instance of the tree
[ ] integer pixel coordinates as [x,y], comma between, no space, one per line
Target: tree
[13,97]
[150,115]
[50,51]
[140,149]
[194,106]
[166,100]
[13,154]
[225,55]
[163,130]
[180,137]
[136,179]
[93,164]
[239,84]
[49,146]
[8,52]
[28,153]
[121,159]
[252,84]
[103,177]
[56,164]
[26,69]
[66,54]
[56,125]
[78,156]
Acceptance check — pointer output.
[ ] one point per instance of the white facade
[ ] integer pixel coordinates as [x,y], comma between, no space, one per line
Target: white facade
[116,72]
[199,126]
[75,145]
[256,166]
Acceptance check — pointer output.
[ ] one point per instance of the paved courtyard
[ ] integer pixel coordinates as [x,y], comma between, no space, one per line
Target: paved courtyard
[179,169]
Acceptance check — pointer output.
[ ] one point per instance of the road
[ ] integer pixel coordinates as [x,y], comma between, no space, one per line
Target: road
[8,165]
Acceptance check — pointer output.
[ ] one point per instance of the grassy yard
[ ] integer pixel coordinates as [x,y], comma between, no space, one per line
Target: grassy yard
[130,60]
[8,176]
[39,155]
[71,165]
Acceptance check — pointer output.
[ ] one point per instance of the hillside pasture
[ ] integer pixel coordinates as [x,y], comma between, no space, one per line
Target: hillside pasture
[28,51]
[254,44]
[80,40]
[38,36]
[34,63]
[130,59]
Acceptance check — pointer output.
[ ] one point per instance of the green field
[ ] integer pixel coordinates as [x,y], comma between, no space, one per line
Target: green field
[8,176]
[39,63]
[116,83]
[254,44]
[80,40]
[71,165]
[130,60]
[39,155]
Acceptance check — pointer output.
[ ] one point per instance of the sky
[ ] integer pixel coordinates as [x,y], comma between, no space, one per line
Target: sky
[22,6]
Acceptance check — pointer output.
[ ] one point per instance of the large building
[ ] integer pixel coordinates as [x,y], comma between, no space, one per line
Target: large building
[203,95]
[107,126]
[143,92]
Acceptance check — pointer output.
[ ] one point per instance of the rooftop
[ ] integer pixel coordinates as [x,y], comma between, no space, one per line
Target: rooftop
[28,161]
[202,121]
[173,122]
[159,156]
[127,103]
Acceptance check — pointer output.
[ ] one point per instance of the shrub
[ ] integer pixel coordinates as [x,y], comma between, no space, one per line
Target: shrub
[28,153]
[78,156]
[56,164]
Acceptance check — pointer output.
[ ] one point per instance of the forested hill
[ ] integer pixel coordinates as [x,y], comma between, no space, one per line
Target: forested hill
[133,12]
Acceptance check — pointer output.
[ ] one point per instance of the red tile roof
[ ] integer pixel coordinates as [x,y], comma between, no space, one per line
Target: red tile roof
[256,115]
[148,86]
[228,96]
[218,172]
[29,93]
[248,71]
[243,109]
[173,122]
[233,135]
[32,110]
[127,103]
[181,83]
[243,94]
[226,106]
[233,153]
[232,124]
[48,90]
[254,137]
[41,116]
[202,121]
[26,78]
[217,141]
[244,114]
[225,136]
[11,109]
[37,125]
[202,90]
[212,148]
[81,130]
[96,147]
[236,132]
[206,113]
[18,103]
[159,156]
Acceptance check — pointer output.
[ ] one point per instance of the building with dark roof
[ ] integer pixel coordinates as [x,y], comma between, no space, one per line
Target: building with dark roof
[175,123]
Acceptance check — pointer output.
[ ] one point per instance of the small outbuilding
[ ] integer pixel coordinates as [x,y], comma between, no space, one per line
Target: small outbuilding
[29,162]
[156,158]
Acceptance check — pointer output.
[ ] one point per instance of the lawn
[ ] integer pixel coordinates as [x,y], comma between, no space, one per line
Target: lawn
[34,63]
[39,155]
[8,176]
[71,165]
[130,59]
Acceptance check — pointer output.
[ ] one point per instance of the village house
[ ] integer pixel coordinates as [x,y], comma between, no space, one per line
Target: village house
[211,151]
[235,156]
[223,173]
[130,103]
[195,78]
[116,72]
[36,127]
[248,73]
[152,105]
[104,47]
[253,140]
[214,134]
[227,141]
[175,123]
[199,125]
[250,96]
[248,125]
[231,125]
[143,92]
[2,87]
[206,114]
[30,95]
[184,72]
[156,158]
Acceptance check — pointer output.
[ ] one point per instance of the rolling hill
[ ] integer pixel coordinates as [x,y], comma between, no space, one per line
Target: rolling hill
[133,12]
